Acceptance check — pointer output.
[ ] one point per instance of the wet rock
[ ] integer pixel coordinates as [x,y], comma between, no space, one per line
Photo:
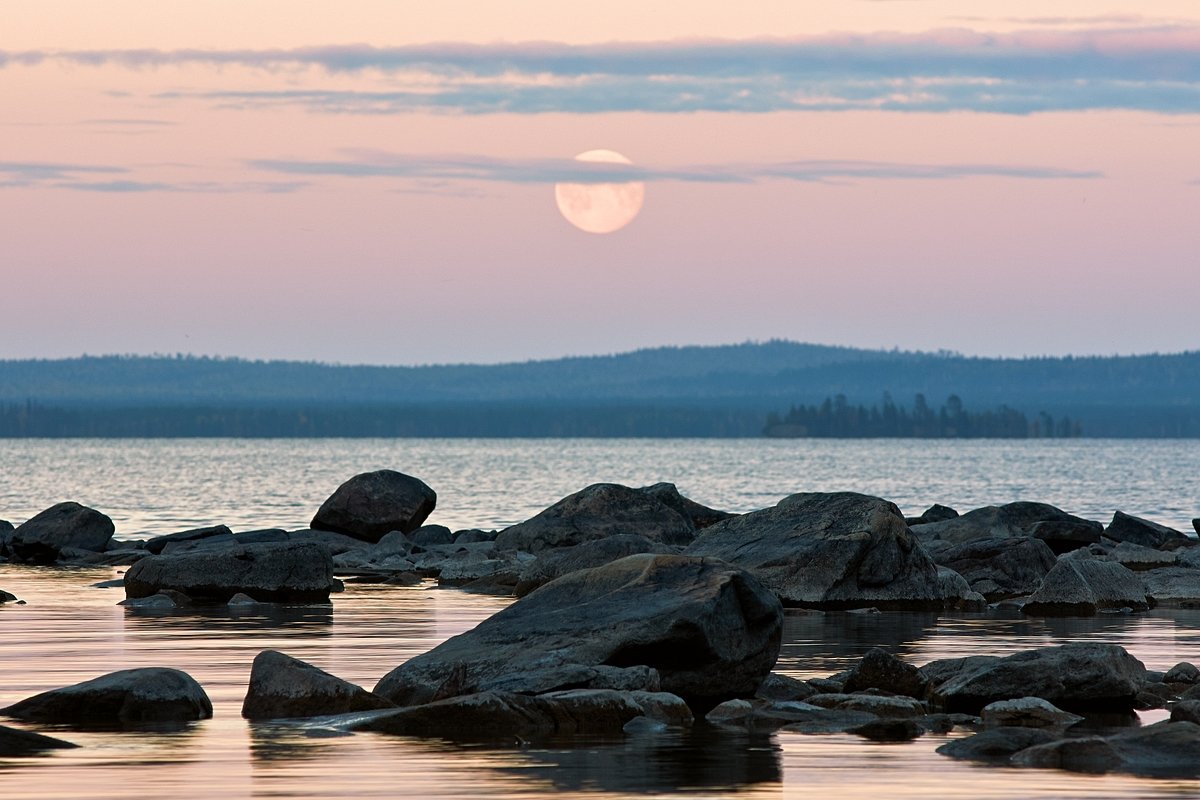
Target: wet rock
[879,669]
[957,593]
[1063,536]
[285,572]
[427,535]
[65,525]
[822,720]
[706,630]
[1083,586]
[781,687]
[597,512]
[768,715]
[999,568]
[551,564]
[6,597]
[1172,586]
[129,697]
[944,723]
[1165,749]
[158,543]
[995,746]
[1026,712]
[162,601]
[500,716]
[880,705]
[701,516]
[935,513]
[1076,677]
[1186,711]
[284,687]
[1127,528]
[16,742]
[1013,519]
[372,504]
[1154,695]
[840,550]
[501,584]
[1183,672]
[890,730]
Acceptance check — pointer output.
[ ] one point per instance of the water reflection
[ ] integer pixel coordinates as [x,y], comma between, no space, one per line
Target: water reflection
[316,619]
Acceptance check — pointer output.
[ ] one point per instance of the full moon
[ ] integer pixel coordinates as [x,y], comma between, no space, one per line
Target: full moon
[600,207]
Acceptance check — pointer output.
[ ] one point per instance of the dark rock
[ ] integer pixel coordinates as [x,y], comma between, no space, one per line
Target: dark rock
[474,535]
[428,535]
[375,503]
[781,687]
[597,512]
[882,706]
[999,568]
[761,715]
[1154,695]
[156,545]
[1139,558]
[935,513]
[942,670]
[129,697]
[1165,749]
[161,601]
[996,745]
[283,687]
[1186,711]
[701,516]
[5,597]
[1063,536]
[287,572]
[1127,528]
[841,550]
[501,584]
[501,716]
[551,564]
[16,742]
[704,630]
[879,669]
[405,579]
[40,540]
[6,526]
[1075,677]
[335,543]
[821,720]
[1083,586]
[1172,586]
[989,522]
[890,730]
[1196,525]
[826,685]
[1183,672]
[957,593]
[1026,712]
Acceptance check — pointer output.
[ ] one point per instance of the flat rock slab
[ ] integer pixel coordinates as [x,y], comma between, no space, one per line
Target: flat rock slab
[287,572]
[373,504]
[699,628]
[16,742]
[1172,586]
[285,687]
[128,698]
[839,550]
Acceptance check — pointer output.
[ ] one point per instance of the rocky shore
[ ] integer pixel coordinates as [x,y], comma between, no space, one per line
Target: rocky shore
[638,610]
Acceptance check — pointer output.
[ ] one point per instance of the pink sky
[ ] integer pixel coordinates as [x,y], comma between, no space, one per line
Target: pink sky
[356,182]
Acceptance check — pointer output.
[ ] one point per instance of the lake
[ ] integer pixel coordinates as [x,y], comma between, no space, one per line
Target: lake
[70,631]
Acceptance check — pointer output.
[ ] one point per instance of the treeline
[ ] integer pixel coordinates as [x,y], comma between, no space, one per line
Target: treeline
[837,418]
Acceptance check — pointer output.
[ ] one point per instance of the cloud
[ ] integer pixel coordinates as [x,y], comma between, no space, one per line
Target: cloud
[455,168]
[25,173]
[88,178]
[203,187]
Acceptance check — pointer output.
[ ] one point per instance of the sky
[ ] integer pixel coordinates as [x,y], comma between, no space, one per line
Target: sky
[370,181]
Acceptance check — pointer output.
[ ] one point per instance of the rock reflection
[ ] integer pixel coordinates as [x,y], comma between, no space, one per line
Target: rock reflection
[249,618]
[819,644]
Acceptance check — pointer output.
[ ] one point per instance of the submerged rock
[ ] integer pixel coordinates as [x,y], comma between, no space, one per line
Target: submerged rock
[16,742]
[840,550]
[1165,749]
[6,597]
[130,697]
[995,746]
[283,687]
[598,512]
[1128,528]
[1083,586]
[285,572]
[699,628]
[372,504]
[65,525]
[1000,567]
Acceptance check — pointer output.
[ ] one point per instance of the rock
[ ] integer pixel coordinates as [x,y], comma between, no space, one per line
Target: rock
[996,745]
[890,730]
[841,550]
[1172,586]
[1083,586]
[129,697]
[1127,528]
[286,572]
[1196,525]
[1063,536]
[1154,695]
[375,503]
[162,600]
[701,516]
[6,526]
[431,535]
[1139,558]
[766,715]
[935,513]
[957,593]
[706,630]
[1183,672]
[1186,711]
[1165,749]
[781,687]
[879,669]
[821,720]
[597,512]
[876,704]
[1013,519]
[474,535]
[242,599]
[335,543]
[40,540]
[1000,567]
[405,579]
[16,742]
[284,687]
[501,716]
[1076,677]
[5,597]
[1026,712]
[551,564]
[156,545]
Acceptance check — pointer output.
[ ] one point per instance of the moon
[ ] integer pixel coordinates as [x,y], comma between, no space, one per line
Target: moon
[600,207]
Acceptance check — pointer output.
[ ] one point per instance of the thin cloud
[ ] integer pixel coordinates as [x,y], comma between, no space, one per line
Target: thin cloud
[138,187]
[94,178]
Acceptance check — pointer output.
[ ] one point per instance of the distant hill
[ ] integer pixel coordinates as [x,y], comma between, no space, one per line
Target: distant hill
[737,385]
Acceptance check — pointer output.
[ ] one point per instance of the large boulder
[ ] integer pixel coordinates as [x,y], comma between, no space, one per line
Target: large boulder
[284,687]
[1128,528]
[1082,586]
[551,564]
[840,550]
[597,512]
[286,572]
[1000,567]
[372,504]
[701,516]
[1165,749]
[1075,677]
[16,742]
[41,539]
[698,628]
[1011,519]
[130,697]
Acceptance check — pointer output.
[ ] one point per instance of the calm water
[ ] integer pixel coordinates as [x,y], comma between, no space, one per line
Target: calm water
[70,631]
